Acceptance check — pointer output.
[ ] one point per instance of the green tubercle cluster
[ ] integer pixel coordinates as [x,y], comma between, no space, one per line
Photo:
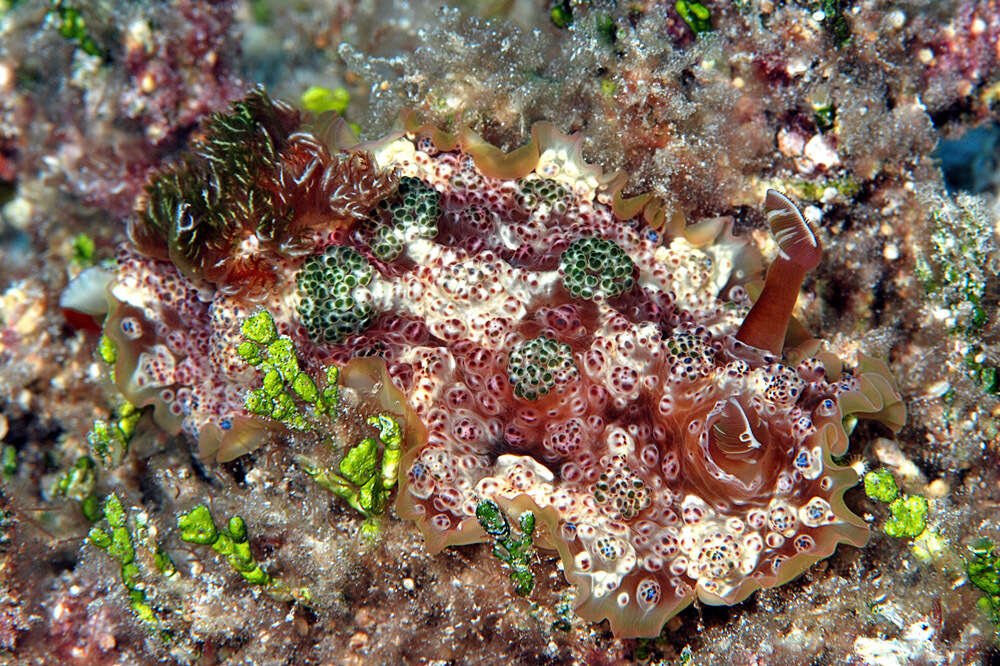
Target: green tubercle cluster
[232,543]
[983,569]
[334,299]
[412,212]
[283,380]
[595,269]
[907,513]
[688,352]
[535,192]
[695,14]
[538,365]
[117,540]
[622,490]
[514,552]
[366,474]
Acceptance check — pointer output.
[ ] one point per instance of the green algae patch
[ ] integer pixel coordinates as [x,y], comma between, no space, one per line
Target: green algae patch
[909,517]
[78,483]
[197,526]
[318,99]
[286,394]
[696,15]
[73,26]
[119,542]
[879,485]
[907,513]
[513,551]
[109,439]
[365,478]
[983,570]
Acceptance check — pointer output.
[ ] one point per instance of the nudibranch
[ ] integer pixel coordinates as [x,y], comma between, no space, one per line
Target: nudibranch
[550,345]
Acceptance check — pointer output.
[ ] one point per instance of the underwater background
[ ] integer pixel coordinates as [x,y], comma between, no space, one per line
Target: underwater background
[302,199]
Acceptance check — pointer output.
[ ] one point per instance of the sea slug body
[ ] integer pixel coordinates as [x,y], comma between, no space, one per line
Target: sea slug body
[548,344]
